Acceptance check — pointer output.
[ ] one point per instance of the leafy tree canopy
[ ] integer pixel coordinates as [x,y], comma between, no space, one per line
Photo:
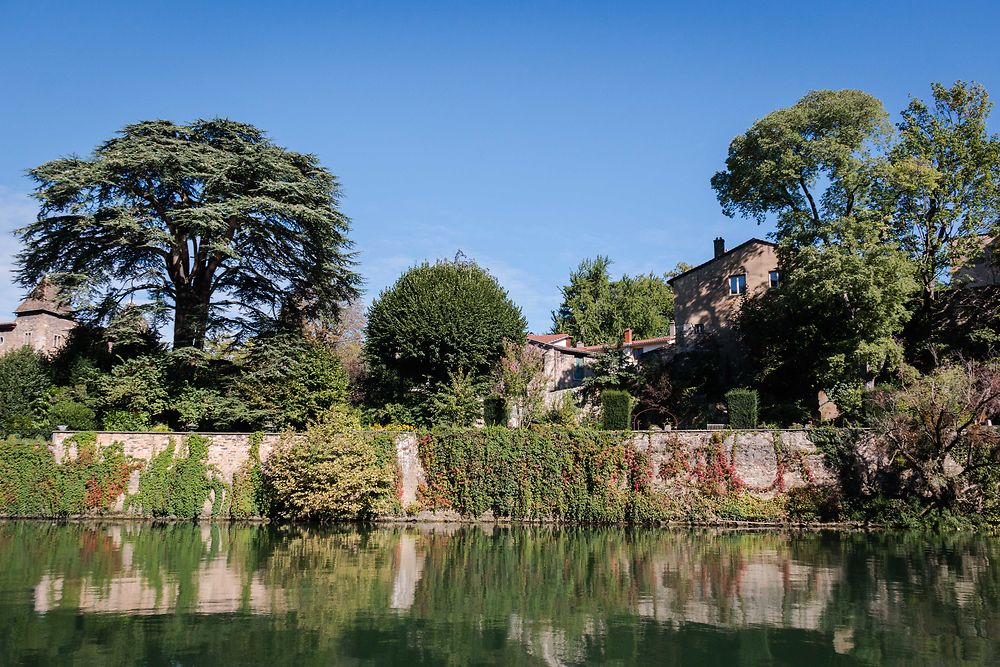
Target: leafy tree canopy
[782,163]
[436,321]
[944,179]
[596,309]
[210,220]
[835,322]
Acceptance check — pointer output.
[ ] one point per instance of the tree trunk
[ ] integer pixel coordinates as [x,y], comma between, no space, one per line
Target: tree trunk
[190,320]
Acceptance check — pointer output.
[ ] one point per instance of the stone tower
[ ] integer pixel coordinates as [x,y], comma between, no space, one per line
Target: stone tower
[42,321]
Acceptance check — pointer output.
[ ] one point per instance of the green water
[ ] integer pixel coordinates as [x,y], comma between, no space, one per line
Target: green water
[237,595]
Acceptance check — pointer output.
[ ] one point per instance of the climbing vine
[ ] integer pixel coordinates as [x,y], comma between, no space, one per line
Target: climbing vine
[566,474]
[33,483]
[179,486]
[249,496]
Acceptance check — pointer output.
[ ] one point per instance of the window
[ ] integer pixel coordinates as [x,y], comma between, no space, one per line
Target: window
[27,334]
[578,369]
[738,284]
[774,278]
[699,328]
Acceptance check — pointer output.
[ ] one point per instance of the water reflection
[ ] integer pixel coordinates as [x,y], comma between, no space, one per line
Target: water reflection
[445,594]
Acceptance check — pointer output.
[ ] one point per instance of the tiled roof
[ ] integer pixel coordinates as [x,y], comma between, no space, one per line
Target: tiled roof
[643,342]
[44,297]
[548,339]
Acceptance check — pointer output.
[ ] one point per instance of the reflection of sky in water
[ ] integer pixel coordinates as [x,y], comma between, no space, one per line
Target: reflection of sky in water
[555,594]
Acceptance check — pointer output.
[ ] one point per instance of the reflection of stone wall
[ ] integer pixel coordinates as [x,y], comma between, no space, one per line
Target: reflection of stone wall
[753,454]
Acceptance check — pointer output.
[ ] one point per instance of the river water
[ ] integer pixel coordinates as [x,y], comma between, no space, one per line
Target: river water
[216,595]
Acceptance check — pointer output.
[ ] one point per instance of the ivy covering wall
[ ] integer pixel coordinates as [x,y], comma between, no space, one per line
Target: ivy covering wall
[337,472]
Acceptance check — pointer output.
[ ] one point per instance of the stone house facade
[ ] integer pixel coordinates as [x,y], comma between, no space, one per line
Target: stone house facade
[567,365]
[42,322]
[707,298]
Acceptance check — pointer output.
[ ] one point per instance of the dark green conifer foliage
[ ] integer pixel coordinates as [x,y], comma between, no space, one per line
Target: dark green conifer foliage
[616,410]
[211,220]
[743,406]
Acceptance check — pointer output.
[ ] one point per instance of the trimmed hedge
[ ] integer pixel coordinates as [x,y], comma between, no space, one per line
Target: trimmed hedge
[616,410]
[743,408]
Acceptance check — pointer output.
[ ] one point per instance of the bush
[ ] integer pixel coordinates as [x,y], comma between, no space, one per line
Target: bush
[495,410]
[74,415]
[564,413]
[123,420]
[743,407]
[435,321]
[332,474]
[616,410]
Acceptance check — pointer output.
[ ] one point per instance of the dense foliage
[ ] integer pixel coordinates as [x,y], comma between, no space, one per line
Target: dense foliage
[874,228]
[34,484]
[616,410]
[332,473]
[743,407]
[210,220]
[438,328]
[596,309]
[567,474]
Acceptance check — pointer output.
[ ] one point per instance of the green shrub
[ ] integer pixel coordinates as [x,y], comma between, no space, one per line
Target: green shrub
[743,407]
[563,413]
[616,410]
[495,411]
[330,473]
[74,415]
[126,421]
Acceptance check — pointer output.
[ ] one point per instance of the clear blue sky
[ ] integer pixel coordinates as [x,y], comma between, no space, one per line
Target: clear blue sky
[528,135]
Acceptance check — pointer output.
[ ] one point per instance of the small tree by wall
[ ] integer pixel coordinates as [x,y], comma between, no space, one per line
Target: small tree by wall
[616,410]
[743,407]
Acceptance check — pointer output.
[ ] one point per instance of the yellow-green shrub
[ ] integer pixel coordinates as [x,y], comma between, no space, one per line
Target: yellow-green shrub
[332,474]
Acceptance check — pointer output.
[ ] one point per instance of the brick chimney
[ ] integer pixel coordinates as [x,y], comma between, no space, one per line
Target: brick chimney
[720,246]
[628,336]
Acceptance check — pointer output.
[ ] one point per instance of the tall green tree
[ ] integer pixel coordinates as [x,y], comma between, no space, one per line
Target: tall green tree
[24,380]
[211,220]
[807,164]
[436,322]
[596,309]
[943,181]
[834,324]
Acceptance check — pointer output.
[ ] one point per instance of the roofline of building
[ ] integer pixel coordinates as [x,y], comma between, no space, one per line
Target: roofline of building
[46,311]
[642,342]
[731,250]
[578,351]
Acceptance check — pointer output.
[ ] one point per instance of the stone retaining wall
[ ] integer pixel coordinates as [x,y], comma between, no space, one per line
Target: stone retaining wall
[753,455]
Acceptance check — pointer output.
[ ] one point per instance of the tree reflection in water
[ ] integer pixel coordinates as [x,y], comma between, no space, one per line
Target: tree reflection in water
[237,594]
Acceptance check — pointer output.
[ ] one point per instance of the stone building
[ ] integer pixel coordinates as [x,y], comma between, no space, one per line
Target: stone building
[42,322]
[564,366]
[708,297]
[983,270]
[567,365]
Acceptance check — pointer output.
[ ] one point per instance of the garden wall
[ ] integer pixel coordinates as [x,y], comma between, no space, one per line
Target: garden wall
[766,462]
